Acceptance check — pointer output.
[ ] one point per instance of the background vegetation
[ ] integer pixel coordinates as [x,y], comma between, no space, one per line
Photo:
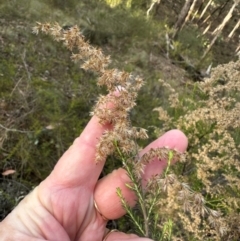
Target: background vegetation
[45,99]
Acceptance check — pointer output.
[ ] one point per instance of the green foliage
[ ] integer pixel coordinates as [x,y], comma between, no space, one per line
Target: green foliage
[189,44]
[192,42]
[167,231]
[45,102]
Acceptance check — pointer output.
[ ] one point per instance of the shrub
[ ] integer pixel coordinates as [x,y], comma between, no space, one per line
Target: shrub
[167,205]
[210,118]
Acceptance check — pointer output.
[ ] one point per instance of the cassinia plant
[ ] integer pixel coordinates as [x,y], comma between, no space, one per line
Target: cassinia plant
[167,208]
[210,118]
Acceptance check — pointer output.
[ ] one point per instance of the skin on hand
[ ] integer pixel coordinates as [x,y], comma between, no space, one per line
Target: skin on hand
[62,208]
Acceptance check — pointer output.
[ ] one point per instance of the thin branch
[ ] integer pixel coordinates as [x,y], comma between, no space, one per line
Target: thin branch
[16,86]
[152,5]
[138,191]
[23,57]
[129,211]
[14,130]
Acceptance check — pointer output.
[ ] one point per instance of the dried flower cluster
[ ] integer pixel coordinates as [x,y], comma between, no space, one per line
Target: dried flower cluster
[176,201]
[113,108]
[211,122]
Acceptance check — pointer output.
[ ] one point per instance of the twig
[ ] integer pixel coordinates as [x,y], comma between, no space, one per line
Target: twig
[16,86]
[25,64]
[13,130]
[138,192]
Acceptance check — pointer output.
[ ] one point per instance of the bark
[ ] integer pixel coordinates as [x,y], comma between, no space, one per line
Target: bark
[181,17]
[190,12]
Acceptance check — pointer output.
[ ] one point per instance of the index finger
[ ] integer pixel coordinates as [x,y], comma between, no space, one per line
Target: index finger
[78,165]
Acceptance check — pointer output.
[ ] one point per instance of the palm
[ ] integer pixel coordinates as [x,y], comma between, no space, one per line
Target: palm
[74,213]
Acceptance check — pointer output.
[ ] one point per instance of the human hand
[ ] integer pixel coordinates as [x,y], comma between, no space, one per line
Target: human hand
[62,207]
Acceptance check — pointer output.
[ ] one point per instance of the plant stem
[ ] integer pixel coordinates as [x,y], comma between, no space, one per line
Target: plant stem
[138,190]
[170,157]
[129,211]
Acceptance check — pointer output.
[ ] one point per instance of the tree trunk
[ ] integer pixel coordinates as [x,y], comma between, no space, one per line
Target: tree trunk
[152,5]
[226,19]
[181,17]
[237,51]
[205,9]
[207,28]
[220,8]
[234,29]
[219,29]
[210,16]
[189,12]
[199,8]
